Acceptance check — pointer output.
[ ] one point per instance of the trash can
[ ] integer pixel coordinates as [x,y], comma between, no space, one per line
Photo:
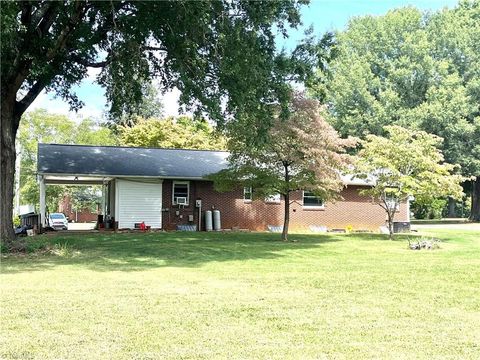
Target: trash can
[401,226]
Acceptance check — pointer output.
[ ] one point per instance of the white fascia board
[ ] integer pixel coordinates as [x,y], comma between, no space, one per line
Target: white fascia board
[124,176]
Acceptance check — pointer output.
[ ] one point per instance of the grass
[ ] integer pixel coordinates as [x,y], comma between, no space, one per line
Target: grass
[242,296]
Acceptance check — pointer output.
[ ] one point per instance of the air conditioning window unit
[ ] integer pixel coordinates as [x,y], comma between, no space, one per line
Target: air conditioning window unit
[181,201]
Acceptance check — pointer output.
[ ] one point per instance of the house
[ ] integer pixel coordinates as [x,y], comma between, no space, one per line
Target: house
[160,187]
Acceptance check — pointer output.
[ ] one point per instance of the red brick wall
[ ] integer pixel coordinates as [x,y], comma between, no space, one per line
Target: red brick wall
[65,207]
[354,210]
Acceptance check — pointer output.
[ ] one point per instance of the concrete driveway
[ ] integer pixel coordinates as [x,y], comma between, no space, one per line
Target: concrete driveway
[81,226]
[452,226]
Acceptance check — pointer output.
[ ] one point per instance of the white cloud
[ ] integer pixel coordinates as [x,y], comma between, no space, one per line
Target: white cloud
[59,106]
[45,101]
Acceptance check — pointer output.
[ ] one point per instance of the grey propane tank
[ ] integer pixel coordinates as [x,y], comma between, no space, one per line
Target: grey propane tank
[217,225]
[208,220]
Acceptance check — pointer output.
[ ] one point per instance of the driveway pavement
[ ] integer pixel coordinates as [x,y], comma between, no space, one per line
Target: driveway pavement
[464,226]
[81,226]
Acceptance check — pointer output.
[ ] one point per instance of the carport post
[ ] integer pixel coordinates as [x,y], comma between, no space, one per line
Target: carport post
[43,216]
[104,200]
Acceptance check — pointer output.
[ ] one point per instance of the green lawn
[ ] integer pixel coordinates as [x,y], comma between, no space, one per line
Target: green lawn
[242,296]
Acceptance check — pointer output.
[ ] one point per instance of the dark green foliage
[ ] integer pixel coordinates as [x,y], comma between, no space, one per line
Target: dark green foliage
[211,50]
[85,197]
[434,209]
[410,69]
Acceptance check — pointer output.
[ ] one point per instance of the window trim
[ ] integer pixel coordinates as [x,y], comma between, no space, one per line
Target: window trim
[312,207]
[188,192]
[251,194]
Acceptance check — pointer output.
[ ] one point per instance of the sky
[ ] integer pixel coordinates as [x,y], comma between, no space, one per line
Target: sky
[323,15]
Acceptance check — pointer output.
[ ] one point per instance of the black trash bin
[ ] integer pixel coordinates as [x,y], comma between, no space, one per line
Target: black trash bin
[401,226]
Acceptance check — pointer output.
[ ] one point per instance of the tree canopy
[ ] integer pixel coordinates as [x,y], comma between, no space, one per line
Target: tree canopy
[183,132]
[302,152]
[403,164]
[150,107]
[420,71]
[210,50]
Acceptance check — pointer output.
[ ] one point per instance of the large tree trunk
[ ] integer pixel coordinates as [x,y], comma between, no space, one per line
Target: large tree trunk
[390,225]
[452,213]
[475,210]
[286,218]
[9,126]
[390,217]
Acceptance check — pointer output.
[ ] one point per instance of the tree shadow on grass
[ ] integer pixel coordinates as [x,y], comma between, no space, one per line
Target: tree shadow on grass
[140,251]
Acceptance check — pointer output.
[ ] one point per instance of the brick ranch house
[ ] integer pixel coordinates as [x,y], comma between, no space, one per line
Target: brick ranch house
[161,187]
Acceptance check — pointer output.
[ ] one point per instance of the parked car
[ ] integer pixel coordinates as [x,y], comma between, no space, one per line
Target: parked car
[58,221]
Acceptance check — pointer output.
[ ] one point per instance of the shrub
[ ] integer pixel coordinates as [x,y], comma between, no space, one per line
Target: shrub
[36,244]
[16,221]
[428,210]
[62,249]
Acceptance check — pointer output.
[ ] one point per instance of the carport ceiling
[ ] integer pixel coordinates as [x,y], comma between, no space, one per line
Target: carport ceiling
[74,180]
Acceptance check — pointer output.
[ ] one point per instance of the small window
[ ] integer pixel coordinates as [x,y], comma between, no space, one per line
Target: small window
[392,202]
[247,194]
[311,200]
[275,198]
[180,192]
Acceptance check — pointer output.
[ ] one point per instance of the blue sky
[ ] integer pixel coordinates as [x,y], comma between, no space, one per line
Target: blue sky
[323,15]
[328,15]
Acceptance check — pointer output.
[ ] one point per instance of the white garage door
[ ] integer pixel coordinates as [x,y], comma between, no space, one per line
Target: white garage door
[138,202]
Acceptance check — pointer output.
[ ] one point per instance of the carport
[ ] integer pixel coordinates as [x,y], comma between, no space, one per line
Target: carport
[46,178]
[73,165]
[131,179]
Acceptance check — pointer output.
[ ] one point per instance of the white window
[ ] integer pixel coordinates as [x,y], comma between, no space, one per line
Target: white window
[391,202]
[275,199]
[311,200]
[247,194]
[181,193]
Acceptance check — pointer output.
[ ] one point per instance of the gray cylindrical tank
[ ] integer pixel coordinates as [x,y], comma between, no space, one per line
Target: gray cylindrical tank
[208,220]
[217,225]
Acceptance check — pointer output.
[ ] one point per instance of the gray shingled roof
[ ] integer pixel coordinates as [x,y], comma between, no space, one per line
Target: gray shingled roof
[128,161]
